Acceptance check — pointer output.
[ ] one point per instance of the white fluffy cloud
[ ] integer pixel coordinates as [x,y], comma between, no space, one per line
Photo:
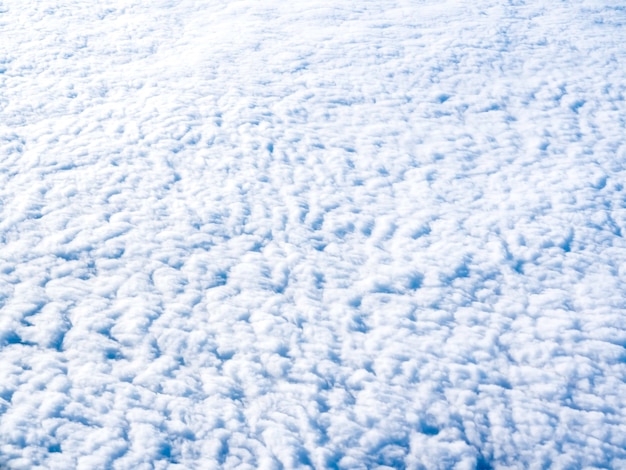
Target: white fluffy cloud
[328,235]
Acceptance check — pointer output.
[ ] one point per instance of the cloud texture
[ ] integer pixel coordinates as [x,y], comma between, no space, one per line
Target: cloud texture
[318,235]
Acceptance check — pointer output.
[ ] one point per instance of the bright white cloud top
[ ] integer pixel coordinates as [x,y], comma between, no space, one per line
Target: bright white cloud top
[327,234]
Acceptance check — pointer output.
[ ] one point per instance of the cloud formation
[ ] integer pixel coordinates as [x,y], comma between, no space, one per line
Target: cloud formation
[317,235]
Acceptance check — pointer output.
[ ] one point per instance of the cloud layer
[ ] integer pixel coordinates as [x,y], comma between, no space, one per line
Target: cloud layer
[328,234]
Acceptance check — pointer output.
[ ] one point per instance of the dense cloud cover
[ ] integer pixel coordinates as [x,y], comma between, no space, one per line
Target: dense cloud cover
[328,234]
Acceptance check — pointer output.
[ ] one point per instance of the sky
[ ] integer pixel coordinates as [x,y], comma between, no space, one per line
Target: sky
[312,234]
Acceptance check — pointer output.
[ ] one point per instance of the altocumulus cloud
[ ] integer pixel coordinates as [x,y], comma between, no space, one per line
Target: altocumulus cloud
[318,235]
